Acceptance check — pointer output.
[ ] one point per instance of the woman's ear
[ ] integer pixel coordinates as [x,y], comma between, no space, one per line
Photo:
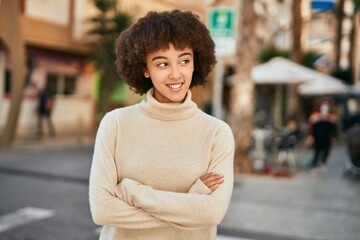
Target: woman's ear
[146,74]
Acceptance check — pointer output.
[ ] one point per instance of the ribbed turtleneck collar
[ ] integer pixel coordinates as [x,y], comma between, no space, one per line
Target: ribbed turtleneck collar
[168,111]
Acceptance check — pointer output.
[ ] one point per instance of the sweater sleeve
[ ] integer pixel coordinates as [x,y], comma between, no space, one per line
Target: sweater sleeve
[189,210]
[106,208]
[199,187]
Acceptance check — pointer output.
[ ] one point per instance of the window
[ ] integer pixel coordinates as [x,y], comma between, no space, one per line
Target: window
[7,83]
[52,80]
[69,85]
[60,84]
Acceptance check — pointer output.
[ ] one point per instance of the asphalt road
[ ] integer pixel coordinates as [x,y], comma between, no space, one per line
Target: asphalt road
[54,182]
[44,196]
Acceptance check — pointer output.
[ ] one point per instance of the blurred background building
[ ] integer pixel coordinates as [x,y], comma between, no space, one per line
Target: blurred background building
[59,55]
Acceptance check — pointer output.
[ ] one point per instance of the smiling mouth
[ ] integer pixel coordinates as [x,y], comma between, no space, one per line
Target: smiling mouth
[175,86]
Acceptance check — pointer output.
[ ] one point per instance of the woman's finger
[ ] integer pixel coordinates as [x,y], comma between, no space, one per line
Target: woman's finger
[211,177]
[212,180]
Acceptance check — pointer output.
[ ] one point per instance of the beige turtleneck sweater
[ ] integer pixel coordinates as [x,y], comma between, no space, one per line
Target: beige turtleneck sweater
[144,180]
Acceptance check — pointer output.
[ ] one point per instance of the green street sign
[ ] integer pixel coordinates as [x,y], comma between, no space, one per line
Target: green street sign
[221,24]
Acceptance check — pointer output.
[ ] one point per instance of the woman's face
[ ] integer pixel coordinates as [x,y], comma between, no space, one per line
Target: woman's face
[170,71]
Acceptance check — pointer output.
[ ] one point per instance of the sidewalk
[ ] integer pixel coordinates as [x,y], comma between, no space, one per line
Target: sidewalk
[326,206]
[263,207]
[53,143]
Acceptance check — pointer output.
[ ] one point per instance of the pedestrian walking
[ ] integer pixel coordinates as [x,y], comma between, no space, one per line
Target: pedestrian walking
[45,107]
[162,168]
[321,135]
[352,133]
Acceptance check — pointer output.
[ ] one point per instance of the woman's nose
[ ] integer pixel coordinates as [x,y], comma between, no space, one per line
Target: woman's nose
[175,73]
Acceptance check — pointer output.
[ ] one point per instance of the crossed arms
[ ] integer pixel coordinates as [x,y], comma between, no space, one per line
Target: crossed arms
[130,204]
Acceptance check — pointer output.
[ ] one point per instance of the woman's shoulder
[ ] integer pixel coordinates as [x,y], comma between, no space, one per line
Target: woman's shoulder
[212,121]
[123,113]
[218,129]
[115,118]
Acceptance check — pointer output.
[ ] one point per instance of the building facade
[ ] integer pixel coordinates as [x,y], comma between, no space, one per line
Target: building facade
[58,53]
[58,58]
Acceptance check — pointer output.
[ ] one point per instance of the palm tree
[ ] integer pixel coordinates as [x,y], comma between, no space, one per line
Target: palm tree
[242,95]
[107,25]
[340,18]
[297,31]
[354,46]
[11,34]
[293,106]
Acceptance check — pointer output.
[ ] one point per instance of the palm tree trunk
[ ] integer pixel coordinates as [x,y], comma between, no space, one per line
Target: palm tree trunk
[297,31]
[293,106]
[11,34]
[242,95]
[354,56]
[340,17]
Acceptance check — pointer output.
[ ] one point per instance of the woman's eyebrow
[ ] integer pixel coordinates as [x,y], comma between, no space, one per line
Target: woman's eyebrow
[163,57]
[184,54]
[158,57]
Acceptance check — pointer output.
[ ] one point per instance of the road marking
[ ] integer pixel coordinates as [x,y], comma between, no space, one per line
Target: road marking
[23,216]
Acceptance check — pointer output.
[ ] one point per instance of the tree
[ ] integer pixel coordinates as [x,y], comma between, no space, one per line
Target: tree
[293,108]
[297,26]
[108,24]
[11,34]
[266,54]
[242,93]
[339,32]
[354,46]
[350,74]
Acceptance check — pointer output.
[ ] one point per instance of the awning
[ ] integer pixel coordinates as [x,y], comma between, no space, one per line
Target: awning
[280,71]
[311,82]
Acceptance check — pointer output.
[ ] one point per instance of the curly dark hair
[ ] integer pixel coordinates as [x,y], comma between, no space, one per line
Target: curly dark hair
[156,31]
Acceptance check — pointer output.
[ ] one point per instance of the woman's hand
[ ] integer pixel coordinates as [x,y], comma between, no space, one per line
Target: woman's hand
[212,180]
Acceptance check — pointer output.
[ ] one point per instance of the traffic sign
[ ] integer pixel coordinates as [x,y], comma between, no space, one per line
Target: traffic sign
[221,23]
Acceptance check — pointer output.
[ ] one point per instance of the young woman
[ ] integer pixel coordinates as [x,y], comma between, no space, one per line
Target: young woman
[162,169]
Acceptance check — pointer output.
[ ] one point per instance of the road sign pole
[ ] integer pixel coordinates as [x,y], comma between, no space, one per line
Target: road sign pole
[217,108]
[221,22]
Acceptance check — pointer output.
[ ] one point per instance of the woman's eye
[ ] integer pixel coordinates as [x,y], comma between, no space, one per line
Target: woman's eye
[185,61]
[162,65]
